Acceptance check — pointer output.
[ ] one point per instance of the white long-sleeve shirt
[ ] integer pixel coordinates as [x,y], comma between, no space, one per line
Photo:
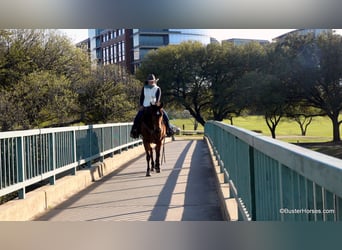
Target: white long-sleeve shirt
[150,94]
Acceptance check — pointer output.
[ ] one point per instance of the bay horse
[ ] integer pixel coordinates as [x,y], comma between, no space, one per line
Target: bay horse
[153,131]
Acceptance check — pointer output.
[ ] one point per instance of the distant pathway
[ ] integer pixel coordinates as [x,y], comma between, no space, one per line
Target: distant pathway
[183,191]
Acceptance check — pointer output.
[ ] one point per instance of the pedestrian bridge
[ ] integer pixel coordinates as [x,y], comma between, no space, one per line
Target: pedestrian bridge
[101,170]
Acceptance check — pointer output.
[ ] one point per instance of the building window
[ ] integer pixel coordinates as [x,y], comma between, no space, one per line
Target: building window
[107,51]
[104,55]
[111,54]
[135,40]
[136,54]
[123,51]
[152,40]
[115,54]
[120,52]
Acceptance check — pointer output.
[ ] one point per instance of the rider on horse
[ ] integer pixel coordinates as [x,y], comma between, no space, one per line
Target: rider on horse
[150,94]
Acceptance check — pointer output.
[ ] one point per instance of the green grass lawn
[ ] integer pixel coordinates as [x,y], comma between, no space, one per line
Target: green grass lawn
[320,126]
[318,137]
[188,124]
[320,129]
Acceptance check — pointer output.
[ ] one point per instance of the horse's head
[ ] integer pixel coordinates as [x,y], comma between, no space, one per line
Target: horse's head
[153,117]
[157,116]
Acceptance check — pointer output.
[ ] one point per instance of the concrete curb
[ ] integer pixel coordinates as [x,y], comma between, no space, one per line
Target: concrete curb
[229,207]
[44,198]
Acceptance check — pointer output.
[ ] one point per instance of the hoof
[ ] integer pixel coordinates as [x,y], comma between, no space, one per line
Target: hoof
[148,175]
[158,170]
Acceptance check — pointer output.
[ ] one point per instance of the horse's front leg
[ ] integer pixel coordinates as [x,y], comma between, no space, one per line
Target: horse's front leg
[148,164]
[158,147]
[152,162]
[148,157]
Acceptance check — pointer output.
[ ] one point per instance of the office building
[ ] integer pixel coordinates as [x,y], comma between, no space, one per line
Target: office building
[111,46]
[127,47]
[242,41]
[301,32]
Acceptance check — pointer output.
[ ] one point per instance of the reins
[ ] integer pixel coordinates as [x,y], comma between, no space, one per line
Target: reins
[163,153]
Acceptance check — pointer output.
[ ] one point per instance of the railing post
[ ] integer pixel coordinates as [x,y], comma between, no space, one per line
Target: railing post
[53,146]
[120,138]
[112,140]
[74,151]
[102,144]
[338,205]
[252,183]
[126,136]
[89,141]
[281,198]
[21,161]
[75,145]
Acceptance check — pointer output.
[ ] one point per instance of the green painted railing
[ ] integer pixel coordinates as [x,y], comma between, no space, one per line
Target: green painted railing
[30,156]
[275,180]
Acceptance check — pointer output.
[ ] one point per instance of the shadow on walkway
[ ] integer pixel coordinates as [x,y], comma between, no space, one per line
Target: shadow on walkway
[162,206]
[76,197]
[185,190]
[201,199]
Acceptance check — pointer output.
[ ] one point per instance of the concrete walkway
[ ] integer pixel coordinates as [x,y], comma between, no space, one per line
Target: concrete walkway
[184,191]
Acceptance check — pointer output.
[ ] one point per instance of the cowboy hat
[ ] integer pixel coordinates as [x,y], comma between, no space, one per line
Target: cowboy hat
[151,77]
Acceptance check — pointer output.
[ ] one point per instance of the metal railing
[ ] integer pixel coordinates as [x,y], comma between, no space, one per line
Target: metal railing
[275,180]
[30,156]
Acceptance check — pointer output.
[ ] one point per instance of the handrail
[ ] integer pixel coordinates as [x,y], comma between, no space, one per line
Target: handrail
[275,180]
[30,156]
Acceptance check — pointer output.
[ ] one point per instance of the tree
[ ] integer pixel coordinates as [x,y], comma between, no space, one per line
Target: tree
[29,58]
[203,79]
[265,96]
[24,51]
[318,74]
[228,63]
[302,114]
[11,114]
[109,95]
[181,69]
[45,99]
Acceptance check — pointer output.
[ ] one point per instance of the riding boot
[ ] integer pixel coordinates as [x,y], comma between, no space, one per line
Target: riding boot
[134,131]
[169,130]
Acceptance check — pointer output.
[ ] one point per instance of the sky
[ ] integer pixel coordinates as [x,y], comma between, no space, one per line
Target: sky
[78,35]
